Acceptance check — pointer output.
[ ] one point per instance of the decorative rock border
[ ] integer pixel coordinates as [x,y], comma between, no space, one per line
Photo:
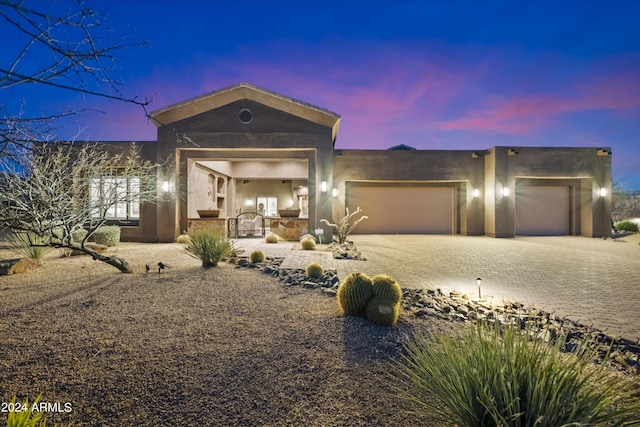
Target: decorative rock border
[457,307]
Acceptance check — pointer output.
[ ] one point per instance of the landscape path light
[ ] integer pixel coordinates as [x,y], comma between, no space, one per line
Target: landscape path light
[479,282]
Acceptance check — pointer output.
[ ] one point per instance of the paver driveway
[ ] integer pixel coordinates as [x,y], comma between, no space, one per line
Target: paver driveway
[594,281]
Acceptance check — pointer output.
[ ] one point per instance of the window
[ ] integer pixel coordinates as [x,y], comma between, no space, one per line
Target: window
[115,197]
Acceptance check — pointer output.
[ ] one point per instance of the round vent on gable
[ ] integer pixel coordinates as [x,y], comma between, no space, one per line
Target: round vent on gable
[246,116]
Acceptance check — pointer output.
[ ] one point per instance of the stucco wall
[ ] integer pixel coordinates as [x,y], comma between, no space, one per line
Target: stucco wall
[462,169]
[220,135]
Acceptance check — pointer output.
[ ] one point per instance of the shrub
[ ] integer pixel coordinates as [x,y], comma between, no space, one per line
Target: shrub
[308,244]
[382,311]
[26,417]
[183,239]
[78,236]
[315,271]
[626,226]
[510,376]
[272,238]
[209,246]
[108,235]
[387,288]
[257,257]
[30,245]
[354,294]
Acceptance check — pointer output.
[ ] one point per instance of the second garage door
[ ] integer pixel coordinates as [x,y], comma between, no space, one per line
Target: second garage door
[542,210]
[401,209]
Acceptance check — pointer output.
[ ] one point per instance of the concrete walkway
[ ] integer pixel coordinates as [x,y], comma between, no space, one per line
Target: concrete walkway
[593,281]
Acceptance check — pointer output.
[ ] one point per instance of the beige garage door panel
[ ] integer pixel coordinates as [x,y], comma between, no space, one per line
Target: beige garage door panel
[404,209]
[542,211]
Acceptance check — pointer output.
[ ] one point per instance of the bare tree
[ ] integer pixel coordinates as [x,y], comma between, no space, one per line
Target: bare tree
[58,46]
[59,189]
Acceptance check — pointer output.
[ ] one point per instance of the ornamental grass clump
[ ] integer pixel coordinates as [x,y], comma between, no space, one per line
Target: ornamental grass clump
[494,375]
[257,257]
[30,245]
[22,414]
[209,246]
[354,294]
[315,271]
[308,244]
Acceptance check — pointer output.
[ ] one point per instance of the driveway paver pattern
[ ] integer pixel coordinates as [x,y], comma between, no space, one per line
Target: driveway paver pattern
[593,281]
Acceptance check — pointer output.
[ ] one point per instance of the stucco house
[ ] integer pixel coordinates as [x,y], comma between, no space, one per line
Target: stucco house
[247,149]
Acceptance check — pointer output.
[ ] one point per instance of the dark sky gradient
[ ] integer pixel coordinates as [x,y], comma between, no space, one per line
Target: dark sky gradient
[432,75]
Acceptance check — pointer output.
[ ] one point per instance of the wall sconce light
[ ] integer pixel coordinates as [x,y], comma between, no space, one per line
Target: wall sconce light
[603,192]
[476,192]
[479,282]
[334,192]
[323,186]
[248,202]
[505,191]
[165,186]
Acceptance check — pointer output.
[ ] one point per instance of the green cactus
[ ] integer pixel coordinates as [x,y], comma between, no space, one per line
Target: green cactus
[354,294]
[315,271]
[257,257]
[382,312]
[308,244]
[387,288]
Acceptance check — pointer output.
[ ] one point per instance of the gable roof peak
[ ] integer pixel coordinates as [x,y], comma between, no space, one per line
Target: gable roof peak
[244,90]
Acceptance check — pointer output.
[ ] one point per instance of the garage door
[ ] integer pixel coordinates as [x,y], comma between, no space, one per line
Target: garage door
[425,210]
[542,210]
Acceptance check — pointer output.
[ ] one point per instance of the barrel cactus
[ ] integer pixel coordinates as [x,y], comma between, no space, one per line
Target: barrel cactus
[308,244]
[257,257]
[383,312]
[386,288]
[315,271]
[271,238]
[354,294]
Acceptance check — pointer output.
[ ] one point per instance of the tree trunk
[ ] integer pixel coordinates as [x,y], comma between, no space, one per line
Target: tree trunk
[119,263]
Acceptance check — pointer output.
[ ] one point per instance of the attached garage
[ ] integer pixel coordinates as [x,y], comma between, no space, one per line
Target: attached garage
[543,210]
[403,209]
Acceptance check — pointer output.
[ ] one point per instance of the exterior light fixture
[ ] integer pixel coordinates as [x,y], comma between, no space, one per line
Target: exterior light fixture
[505,191]
[165,186]
[334,192]
[603,192]
[323,186]
[479,282]
[476,192]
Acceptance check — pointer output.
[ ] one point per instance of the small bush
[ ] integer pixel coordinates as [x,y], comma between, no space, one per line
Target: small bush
[108,235]
[257,257]
[30,245]
[209,246]
[308,244]
[272,238]
[78,236]
[509,376]
[354,294]
[183,239]
[629,226]
[315,271]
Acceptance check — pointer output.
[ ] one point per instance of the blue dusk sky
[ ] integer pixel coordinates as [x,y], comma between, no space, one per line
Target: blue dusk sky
[429,74]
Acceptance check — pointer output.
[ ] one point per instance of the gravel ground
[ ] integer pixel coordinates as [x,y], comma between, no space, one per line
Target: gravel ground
[189,346]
